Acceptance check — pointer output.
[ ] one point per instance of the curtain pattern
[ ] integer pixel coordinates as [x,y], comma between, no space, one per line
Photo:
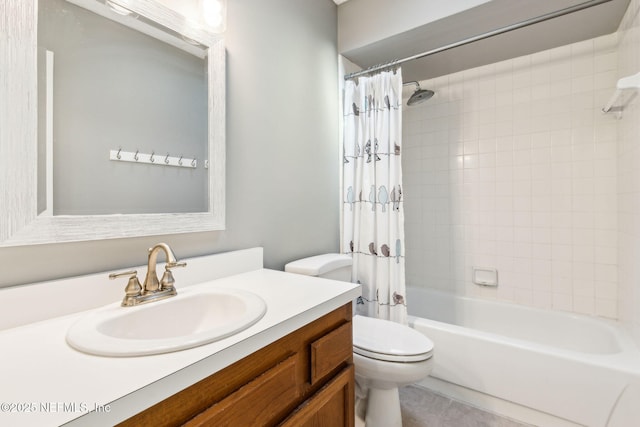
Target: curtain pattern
[373,228]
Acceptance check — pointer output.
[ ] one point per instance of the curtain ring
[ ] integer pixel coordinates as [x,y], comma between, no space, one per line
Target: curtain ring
[118,156]
[193,162]
[166,159]
[135,156]
[180,160]
[151,157]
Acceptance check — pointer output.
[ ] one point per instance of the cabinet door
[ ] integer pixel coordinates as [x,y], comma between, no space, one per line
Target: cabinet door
[261,402]
[331,406]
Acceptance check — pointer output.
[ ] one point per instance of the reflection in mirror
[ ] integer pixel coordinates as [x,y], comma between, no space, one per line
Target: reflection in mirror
[178,114]
[105,82]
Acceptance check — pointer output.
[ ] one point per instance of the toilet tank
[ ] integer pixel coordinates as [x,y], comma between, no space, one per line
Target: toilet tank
[328,266]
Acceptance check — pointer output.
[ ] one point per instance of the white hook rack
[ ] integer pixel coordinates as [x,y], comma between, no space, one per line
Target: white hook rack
[625,83]
[152,159]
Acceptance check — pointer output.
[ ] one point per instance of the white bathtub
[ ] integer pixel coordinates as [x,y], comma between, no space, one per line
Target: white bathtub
[570,367]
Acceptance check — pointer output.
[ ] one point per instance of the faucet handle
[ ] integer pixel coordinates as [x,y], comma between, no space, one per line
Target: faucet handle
[133,287]
[170,265]
[123,273]
[167,281]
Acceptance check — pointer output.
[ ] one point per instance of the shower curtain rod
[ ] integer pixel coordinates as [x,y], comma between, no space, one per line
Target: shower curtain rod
[516,26]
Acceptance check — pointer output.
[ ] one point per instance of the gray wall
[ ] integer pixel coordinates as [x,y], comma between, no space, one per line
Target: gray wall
[282,151]
[107,81]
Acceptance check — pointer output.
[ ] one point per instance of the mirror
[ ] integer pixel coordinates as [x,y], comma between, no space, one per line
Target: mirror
[104,171]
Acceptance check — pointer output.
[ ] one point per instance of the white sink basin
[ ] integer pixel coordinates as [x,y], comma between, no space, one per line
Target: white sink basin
[190,319]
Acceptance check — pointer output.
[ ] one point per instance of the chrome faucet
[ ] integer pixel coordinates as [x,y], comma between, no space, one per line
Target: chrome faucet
[152,289]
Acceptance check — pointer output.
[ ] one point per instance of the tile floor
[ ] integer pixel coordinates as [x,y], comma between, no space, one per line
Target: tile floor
[423,408]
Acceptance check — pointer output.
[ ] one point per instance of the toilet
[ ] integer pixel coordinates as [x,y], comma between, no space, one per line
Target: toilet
[386,355]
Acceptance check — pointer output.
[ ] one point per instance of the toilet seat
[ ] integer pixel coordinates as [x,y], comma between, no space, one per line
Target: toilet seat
[388,341]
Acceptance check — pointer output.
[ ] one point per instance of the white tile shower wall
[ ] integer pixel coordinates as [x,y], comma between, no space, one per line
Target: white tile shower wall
[513,166]
[629,176]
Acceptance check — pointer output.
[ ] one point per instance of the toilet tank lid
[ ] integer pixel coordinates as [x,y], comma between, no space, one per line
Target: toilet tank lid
[319,264]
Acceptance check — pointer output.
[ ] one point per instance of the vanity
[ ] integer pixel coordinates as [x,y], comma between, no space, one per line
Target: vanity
[293,367]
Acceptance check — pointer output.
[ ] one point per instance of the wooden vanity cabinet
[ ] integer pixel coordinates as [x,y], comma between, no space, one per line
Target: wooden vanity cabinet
[304,379]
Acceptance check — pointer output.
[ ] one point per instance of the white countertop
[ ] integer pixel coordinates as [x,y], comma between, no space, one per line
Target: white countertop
[48,383]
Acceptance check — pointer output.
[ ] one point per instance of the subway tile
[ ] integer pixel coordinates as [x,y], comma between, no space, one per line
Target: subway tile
[607,61]
[605,307]
[564,155]
[504,98]
[582,152]
[542,252]
[605,221]
[582,84]
[562,235]
[605,238]
[542,299]
[561,252]
[522,171]
[605,43]
[521,157]
[583,236]
[560,94]
[504,128]
[561,271]
[541,140]
[541,155]
[581,65]
[562,301]
[470,161]
[521,95]
[582,219]
[583,253]
[583,304]
[541,219]
[605,203]
[606,289]
[582,169]
[606,272]
[559,201]
[583,275]
[541,176]
[605,80]
[561,137]
[583,185]
[606,132]
[542,235]
[605,167]
[487,130]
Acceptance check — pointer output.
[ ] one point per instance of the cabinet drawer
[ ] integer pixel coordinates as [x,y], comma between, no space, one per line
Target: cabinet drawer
[332,406]
[261,402]
[331,351]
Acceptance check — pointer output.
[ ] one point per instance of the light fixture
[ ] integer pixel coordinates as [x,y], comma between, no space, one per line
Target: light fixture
[214,14]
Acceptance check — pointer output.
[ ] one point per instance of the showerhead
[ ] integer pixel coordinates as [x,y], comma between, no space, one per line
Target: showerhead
[420,95]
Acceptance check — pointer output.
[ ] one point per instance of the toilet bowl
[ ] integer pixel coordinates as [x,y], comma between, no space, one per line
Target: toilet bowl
[386,355]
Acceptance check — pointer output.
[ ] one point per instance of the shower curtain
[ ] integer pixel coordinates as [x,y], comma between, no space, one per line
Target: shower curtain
[373,218]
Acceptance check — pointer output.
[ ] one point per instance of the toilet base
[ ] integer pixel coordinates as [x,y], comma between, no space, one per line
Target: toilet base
[383,408]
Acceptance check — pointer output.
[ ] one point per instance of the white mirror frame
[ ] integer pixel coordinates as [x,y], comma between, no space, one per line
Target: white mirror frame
[19,223]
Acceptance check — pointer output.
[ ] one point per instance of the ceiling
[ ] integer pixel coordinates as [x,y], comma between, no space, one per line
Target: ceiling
[586,24]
